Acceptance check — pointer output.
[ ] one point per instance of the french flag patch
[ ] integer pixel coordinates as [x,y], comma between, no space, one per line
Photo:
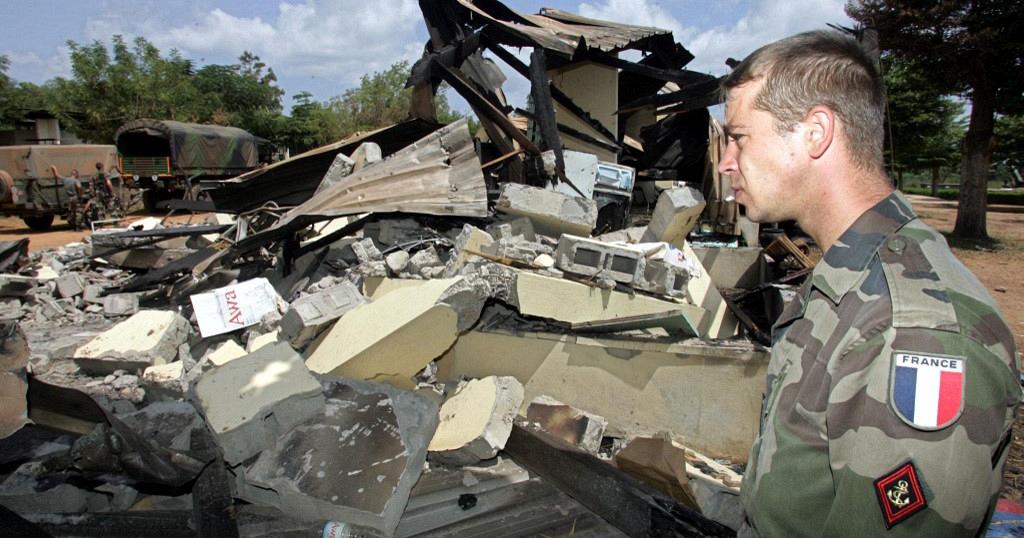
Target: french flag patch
[927,390]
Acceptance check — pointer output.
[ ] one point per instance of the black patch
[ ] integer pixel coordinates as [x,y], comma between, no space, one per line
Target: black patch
[899,494]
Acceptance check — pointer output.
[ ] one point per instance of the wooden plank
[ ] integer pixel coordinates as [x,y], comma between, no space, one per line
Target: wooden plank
[485,108]
[558,95]
[631,506]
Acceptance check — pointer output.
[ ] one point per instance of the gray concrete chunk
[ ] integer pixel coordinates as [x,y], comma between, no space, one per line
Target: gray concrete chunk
[477,420]
[253,400]
[397,261]
[148,338]
[552,213]
[70,285]
[310,314]
[355,462]
[675,214]
[596,259]
[120,304]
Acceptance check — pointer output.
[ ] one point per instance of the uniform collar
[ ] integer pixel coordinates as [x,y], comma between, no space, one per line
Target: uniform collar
[841,267]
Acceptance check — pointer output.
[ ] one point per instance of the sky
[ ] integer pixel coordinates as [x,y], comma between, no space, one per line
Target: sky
[325,46]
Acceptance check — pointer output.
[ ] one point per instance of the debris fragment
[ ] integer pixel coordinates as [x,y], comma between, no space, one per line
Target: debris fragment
[476,420]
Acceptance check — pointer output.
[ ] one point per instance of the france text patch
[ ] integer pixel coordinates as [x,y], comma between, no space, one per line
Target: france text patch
[927,391]
[899,494]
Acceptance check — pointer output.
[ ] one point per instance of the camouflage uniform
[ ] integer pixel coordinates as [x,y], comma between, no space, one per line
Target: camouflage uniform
[841,451]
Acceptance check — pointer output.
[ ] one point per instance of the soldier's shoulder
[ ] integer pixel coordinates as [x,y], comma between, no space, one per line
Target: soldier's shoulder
[933,289]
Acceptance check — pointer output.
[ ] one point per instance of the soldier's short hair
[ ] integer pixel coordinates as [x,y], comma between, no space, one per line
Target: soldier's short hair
[819,68]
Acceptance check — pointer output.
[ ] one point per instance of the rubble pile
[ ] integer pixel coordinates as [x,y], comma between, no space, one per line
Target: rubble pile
[415,335]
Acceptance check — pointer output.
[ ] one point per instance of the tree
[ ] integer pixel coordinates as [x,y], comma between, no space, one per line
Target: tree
[1009,150]
[972,48]
[242,95]
[924,131]
[136,82]
[18,98]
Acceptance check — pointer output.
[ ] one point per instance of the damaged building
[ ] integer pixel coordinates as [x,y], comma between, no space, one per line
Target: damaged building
[553,326]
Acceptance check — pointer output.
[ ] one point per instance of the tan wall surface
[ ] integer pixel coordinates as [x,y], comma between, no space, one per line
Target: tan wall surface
[709,393]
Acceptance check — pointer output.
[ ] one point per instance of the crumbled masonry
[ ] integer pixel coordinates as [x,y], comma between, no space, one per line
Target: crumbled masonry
[364,332]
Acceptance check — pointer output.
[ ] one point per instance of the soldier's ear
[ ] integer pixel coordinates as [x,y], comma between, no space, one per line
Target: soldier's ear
[820,124]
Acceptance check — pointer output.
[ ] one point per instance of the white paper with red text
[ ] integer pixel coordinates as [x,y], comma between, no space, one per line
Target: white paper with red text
[233,307]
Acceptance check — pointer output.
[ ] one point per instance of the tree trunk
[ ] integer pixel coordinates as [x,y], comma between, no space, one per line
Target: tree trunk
[971,215]
[899,179]
[935,180]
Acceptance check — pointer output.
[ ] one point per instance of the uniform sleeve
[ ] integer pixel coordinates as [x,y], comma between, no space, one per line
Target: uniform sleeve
[915,447]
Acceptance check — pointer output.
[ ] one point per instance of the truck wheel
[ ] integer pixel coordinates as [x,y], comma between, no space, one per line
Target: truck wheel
[39,222]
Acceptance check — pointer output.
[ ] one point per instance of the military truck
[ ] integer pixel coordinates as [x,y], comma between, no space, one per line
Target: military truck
[28,189]
[166,158]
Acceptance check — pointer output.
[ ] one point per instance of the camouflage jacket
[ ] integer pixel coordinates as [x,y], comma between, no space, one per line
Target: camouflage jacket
[892,388]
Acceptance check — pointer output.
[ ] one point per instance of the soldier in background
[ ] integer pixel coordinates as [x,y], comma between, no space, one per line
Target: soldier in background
[75,194]
[893,379]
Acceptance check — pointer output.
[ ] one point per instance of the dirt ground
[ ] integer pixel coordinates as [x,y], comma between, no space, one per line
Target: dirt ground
[998,265]
[62,234]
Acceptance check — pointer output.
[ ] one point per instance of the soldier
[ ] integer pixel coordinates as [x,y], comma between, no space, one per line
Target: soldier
[893,379]
[75,195]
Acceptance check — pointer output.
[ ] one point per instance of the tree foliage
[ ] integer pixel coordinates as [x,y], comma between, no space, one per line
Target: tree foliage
[1009,150]
[110,86]
[971,48]
[924,127]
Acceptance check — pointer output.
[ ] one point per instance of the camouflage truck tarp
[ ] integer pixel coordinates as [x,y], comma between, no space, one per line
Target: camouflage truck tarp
[24,162]
[194,149]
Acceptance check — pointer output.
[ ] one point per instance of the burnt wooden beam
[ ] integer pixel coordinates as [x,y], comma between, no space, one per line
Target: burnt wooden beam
[558,95]
[486,108]
[450,55]
[667,75]
[696,90]
[634,508]
[579,135]
[540,90]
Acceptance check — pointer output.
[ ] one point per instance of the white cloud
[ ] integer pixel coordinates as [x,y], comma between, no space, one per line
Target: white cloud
[766,21]
[28,65]
[762,22]
[335,41]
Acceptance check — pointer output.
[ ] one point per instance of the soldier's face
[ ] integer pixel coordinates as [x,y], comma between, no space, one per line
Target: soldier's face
[764,166]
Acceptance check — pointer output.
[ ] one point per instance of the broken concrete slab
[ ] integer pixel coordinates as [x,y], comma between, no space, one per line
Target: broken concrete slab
[164,381]
[741,267]
[552,213]
[92,294]
[390,339]
[366,154]
[355,462]
[513,228]
[251,401]
[14,355]
[260,340]
[675,215]
[424,259]
[639,387]
[340,168]
[310,314]
[365,251]
[120,304]
[397,260]
[226,352]
[70,285]
[721,322]
[148,338]
[477,420]
[575,303]
[572,425]
[468,243]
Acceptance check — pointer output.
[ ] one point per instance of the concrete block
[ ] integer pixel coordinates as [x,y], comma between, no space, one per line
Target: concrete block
[228,351]
[164,381]
[310,314]
[511,251]
[663,278]
[552,213]
[641,387]
[572,425]
[92,294]
[70,285]
[587,257]
[120,304]
[675,215]
[366,251]
[16,285]
[390,339]
[521,227]
[397,260]
[260,340]
[252,401]
[424,259]
[356,461]
[468,243]
[477,420]
[366,154]
[701,290]
[148,338]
